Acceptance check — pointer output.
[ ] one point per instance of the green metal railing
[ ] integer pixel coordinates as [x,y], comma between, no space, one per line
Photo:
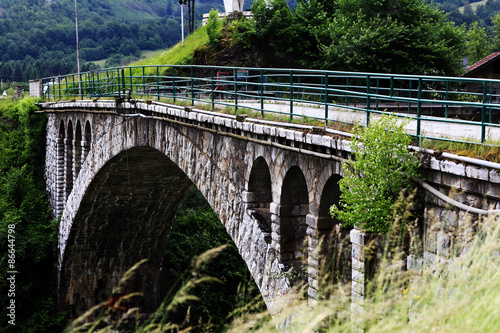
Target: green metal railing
[409,96]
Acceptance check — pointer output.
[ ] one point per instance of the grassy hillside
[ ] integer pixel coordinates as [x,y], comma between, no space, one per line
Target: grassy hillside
[178,54]
[473,5]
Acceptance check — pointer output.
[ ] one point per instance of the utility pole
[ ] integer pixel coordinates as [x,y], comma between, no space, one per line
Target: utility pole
[182,22]
[78,54]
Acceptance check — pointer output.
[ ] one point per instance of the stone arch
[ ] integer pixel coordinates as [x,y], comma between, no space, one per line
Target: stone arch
[124,216]
[77,150]
[86,140]
[335,246]
[68,143]
[294,207]
[205,161]
[259,196]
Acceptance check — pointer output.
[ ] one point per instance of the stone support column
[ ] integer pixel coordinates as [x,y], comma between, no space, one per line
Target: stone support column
[86,145]
[77,159]
[313,261]
[60,181]
[358,285]
[68,168]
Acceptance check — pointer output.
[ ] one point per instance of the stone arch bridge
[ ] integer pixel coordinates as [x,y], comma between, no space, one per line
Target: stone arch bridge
[117,171]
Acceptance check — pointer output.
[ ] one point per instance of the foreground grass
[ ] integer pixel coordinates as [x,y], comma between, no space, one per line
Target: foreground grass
[462,295]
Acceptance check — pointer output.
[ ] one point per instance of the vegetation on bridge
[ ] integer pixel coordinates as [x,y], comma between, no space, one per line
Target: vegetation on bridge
[378,175]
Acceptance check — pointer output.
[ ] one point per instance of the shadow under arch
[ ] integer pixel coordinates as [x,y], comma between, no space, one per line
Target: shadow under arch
[293,228]
[335,245]
[124,216]
[260,196]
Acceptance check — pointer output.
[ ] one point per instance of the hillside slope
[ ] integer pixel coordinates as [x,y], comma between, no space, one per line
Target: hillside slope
[47,45]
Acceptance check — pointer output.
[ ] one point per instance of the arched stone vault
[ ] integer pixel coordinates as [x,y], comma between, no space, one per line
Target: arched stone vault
[133,173]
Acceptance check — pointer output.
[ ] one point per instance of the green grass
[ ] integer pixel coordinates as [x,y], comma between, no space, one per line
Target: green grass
[473,5]
[178,54]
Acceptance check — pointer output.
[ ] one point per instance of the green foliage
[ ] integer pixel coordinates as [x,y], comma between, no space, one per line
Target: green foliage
[374,179]
[47,45]
[275,31]
[213,27]
[197,229]
[23,204]
[391,36]
[477,43]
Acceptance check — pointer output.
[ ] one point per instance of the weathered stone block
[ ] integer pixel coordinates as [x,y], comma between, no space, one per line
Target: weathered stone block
[477,172]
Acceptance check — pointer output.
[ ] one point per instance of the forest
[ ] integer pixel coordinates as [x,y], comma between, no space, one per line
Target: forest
[47,45]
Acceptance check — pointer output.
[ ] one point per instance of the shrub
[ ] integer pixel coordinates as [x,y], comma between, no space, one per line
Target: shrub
[381,168]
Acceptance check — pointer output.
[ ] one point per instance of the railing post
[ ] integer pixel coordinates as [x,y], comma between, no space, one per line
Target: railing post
[419,109]
[447,90]
[489,109]
[347,90]
[130,80]
[326,98]
[212,85]
[143,81]
[367,100]
[409,96]
[377,92]
[157,83]
[59,87]
[174,91]
[291,95]
[122,91]
[261,88]
[192,86]
[483,114]
[235,76]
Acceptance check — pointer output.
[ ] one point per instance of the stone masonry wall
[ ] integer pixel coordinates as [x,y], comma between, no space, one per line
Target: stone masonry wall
[255,176]
[215,157]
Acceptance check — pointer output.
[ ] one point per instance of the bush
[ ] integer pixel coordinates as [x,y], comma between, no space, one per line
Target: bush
[213,27]
[382,168]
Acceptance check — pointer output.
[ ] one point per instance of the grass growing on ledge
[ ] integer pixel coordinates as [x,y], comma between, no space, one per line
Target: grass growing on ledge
[489,151]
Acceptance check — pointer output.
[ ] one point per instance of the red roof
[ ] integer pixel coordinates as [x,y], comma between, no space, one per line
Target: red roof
[482,62]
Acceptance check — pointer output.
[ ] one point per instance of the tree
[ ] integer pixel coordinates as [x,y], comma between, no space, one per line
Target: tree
[392,36]
[382,168]
[275,31]
[496,32]
[477,43]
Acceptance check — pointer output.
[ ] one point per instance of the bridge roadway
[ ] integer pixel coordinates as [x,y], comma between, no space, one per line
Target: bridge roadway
[116,172]
[431,126]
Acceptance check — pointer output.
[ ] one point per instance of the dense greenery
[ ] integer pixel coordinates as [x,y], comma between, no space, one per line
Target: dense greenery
[403,36]
[23,204]
[382,167]
[47,45]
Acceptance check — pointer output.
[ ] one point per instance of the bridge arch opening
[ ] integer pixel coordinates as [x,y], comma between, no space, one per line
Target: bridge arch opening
[260,196]
[69,159]
[335,245]
[294,209]
[77,153]
[86,141]
[125,215]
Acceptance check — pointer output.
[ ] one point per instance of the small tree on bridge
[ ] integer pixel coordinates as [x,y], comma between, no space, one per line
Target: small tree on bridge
[381,169]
